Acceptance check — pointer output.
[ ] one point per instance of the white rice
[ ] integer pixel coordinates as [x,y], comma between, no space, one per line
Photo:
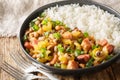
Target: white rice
[88,18]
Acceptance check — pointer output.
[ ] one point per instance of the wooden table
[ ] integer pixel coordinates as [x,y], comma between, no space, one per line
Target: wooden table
[9,44]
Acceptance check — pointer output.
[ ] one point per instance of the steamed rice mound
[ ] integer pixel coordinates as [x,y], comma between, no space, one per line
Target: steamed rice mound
[89,18]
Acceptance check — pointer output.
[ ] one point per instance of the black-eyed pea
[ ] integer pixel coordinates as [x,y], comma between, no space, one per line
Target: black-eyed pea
[48,64]
[82,65]
[40,31]
[55,49]
[40,25]
[34,56]
[40,19]
[58,27]
[36,34]
[50,46]
[31,35]
[37,22]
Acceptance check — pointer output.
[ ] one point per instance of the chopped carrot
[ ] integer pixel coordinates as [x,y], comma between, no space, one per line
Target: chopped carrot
[28,45]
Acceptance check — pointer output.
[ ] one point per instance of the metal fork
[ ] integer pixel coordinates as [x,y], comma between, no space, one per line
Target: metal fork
[18,74]
[30,67]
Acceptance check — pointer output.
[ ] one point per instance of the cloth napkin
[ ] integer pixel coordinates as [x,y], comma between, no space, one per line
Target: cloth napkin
[14,12]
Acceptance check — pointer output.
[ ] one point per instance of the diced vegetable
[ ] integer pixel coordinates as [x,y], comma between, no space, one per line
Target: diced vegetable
[63,66]
[32,23]
[109,57]
[76,34]
[60,48]
[57,35]
[42,55]
[47,27]
[78,46]
[43,50]
[78,52]
[35,27]
[90,63]
[63,59]
[28,45]
[45,22]
[67,41]
[42,15]
[86,34]
[69,50]
[57,65]
[95,46]
[80,40]
[25,37]
[57,23]
[46,34]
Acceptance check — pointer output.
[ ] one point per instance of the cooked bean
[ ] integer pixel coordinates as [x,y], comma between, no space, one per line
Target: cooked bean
[58,27]
[82,65]
[36,34]
[37,22]
[40,31]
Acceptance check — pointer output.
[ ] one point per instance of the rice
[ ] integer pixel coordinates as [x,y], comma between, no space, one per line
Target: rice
[89,18]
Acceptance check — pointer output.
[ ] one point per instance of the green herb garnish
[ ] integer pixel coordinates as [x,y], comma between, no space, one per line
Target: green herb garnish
[25,37]
[57,35]
[35,27]
[46,34]
[42,15]
[109,57]
[42,55]
[78,52]
[43,50]
[95,46]
[60,48]
[80,40]
[44,22]
[57,65]
[69,50]
[90,62]
[86,34]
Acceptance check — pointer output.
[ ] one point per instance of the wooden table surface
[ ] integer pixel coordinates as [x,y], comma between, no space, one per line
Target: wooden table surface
[9,44]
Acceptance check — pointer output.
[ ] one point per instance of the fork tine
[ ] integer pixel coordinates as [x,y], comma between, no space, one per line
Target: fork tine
[12,71]
[19,59]
[23,59]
